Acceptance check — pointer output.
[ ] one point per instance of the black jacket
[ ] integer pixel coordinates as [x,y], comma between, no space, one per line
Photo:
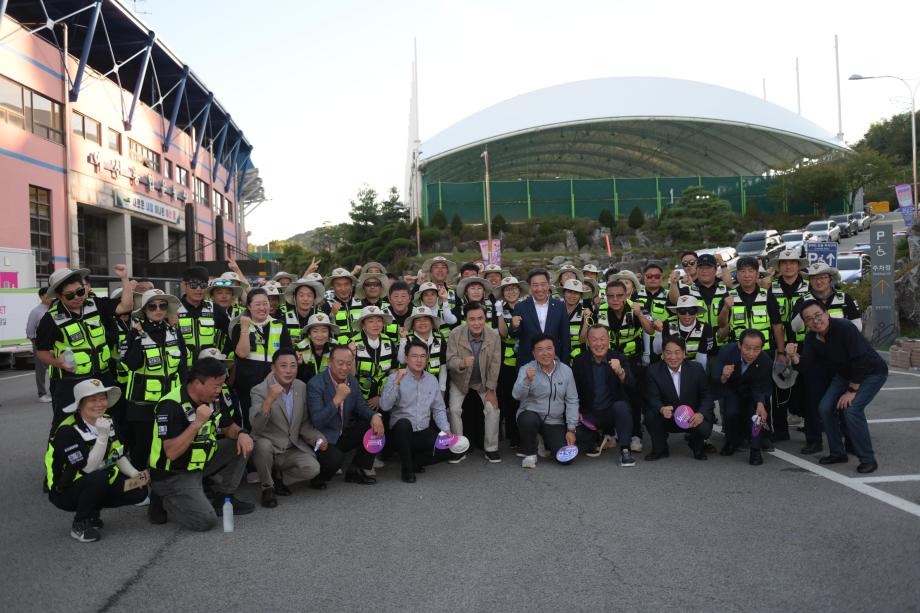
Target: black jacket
[583,372]
[695,390]
[757,381]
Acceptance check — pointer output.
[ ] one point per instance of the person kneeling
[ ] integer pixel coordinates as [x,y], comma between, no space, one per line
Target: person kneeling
[85,462]
[285,442]
[549,401]
[412,397]
[186,449]
[669,384]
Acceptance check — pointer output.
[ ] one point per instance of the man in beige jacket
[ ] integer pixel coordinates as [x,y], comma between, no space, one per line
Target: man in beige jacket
[285,440]
[473,360]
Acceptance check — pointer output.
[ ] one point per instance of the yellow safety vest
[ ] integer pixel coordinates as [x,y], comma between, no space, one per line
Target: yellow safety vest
[85,337]
[755,317]
[202,448]
[159,372]
[198,331]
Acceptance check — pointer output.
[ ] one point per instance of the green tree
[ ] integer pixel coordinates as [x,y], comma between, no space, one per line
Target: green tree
[392,210]
[606,219]
[636,218]
[499,224]
[438,220]
[699,217]
[456,226]
[890,137]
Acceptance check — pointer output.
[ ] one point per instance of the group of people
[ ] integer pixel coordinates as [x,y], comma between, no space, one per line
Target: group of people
[174,401]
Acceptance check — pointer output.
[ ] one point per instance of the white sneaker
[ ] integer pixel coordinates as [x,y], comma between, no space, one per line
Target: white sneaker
[45,398]
[609,442]
[252,477]
[144,503]
[635,444]
[529,462]
[794,420]
[378,463]
[542,451]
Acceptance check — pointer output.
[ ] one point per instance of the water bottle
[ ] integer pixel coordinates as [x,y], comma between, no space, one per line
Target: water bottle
[228,515]
[68,357]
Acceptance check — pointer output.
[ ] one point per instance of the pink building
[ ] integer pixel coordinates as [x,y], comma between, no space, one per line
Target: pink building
[111,149]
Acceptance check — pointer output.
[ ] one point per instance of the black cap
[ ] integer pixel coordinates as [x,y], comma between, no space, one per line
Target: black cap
[747,262]
[195,273]
[707,259]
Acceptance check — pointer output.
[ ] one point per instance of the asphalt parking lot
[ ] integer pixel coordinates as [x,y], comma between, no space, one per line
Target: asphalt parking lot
[677,534]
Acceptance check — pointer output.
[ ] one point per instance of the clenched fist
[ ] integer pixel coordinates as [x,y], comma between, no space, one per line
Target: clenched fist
[203,413]
[727,372]
[342,391]
[468,362]
[531,373]
[245,323]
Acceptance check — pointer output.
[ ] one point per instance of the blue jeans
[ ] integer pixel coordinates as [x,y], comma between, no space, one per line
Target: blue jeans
[857,429]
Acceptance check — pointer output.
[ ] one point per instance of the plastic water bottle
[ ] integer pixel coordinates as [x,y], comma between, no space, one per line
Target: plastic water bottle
[68,357]
[228,515]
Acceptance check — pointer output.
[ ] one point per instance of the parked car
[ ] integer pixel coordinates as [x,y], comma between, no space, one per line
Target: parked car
[825,230]
[796,239]
[847,223]
[852,266]
[863,220]
[763,244]
[729,254]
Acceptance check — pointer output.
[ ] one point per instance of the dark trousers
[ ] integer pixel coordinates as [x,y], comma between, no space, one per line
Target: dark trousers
[92,492]
[351,437]
[530,425]
[617,417]
[659,427]
[636,401]
[41,374]
[507,405]
[737,410]
[415,448]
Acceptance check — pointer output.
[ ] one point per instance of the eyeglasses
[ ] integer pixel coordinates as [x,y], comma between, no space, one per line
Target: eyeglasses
[687,263]
[649,275]
[686,311]
[815,317]
[157,306]
[71,295]
[196,284]
[418,355]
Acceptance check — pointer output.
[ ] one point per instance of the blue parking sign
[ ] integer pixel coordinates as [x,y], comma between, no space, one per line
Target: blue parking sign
[825,252]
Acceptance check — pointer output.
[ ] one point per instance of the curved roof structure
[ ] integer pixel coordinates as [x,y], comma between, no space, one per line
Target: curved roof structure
[625,127]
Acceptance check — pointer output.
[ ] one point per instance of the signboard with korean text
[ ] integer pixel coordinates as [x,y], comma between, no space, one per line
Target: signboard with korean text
[147,206]
[15,305]
[905,202]
[825,252]
[883,311]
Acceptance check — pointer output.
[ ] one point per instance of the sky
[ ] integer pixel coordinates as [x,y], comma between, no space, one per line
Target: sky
[321,89]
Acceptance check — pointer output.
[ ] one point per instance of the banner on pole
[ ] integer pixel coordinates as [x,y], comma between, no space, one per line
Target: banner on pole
[905,202]
[491,254]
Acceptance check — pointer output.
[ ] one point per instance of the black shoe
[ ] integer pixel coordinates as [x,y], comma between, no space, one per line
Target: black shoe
[700,455]
[156,514]
[418,469]
[709,447]
[756,459]
[96,522]
[493,456]
[281,489]
[354,476]
[727,449]
[867,467]
[657,455]
[268,498]
[240,507]
[812,448]
[84,532]
[318,484]
[408,476]
[834,459]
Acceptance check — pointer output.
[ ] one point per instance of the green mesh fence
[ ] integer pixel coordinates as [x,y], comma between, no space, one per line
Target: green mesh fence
[522,200]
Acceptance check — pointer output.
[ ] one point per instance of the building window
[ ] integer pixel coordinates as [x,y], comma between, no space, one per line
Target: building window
[46,118]
[201,192]
[94,242]
[30,111]
[40,229]
[176,247]
[148,157]
[115,141]
[12,109]
[229,207]
[140,249]
[87,128]
[167,168]
[181,176]
[199,247]
[218,202]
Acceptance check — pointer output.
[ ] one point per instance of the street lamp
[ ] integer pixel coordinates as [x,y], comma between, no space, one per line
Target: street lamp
[913,125]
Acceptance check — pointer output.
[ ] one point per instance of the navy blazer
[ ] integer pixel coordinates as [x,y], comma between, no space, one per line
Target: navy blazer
[695,391]
[583,371]
[323,412]
[757,381]
[557,326]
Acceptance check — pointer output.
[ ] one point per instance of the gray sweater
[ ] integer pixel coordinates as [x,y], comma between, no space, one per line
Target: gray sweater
[552,397]
[418,400]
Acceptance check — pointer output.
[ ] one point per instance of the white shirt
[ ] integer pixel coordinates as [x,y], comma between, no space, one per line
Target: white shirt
[675,377]
[542,312]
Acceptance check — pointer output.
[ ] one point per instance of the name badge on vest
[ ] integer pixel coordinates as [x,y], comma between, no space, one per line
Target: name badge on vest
[76,337]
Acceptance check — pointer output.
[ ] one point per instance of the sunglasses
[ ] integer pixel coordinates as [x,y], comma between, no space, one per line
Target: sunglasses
[196,284]
[652,276]
[686,263]
[221,283]
[373,284]
[71,295]
[156,306]
[686,311]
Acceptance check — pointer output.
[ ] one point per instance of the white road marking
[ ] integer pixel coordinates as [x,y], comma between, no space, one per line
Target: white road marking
[898,389]
[892,420]
[888,479]
[902,372]
[28,374]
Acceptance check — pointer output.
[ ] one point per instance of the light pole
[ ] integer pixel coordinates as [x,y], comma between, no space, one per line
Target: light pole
[913,126]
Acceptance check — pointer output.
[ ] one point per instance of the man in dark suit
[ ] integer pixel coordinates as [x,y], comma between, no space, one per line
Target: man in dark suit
[541,313]
[340,412]
[669,384]
[743,373]
[602,378]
